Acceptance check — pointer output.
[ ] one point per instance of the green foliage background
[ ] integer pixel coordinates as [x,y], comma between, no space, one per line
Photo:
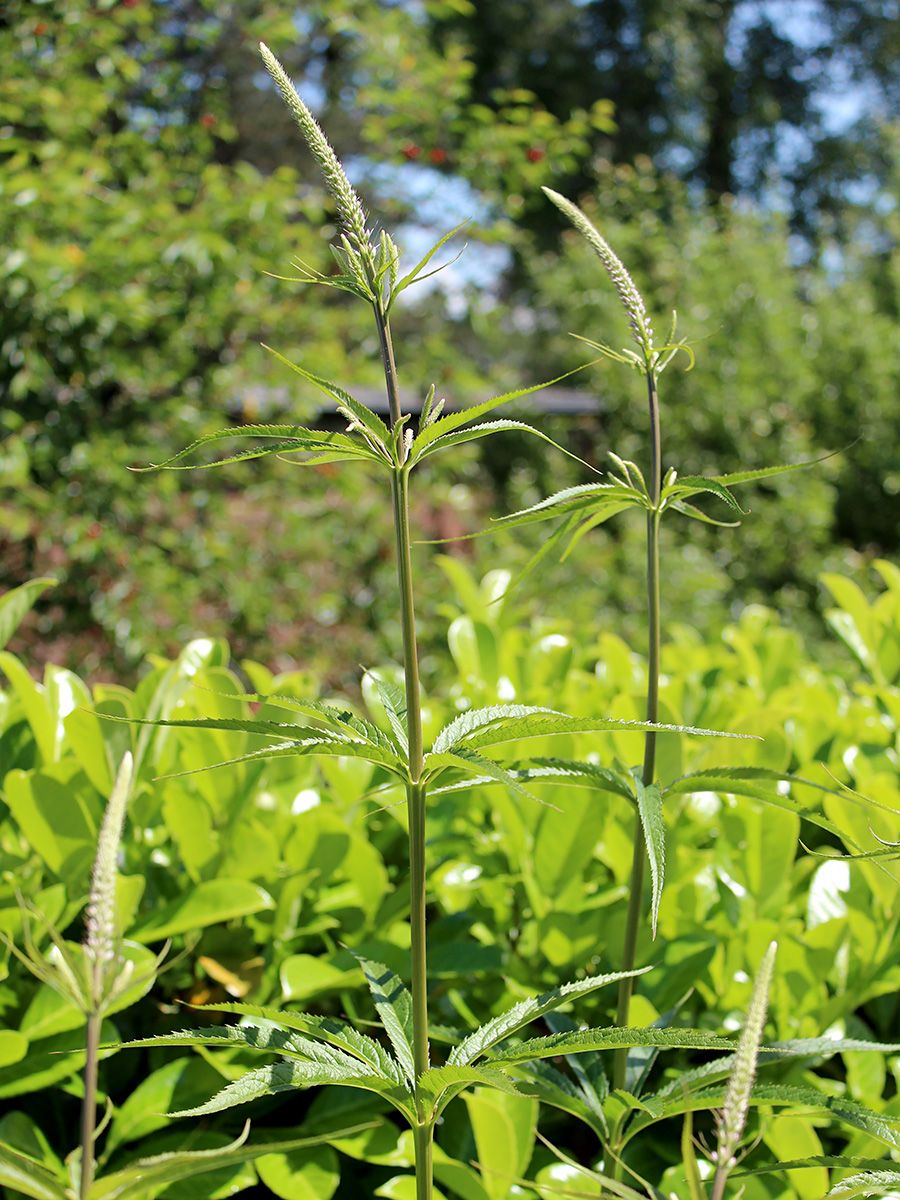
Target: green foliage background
[149,183]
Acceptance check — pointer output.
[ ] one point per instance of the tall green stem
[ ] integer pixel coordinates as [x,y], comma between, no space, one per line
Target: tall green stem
[89,1104]
[721,1176]
[632,919]
[415,791]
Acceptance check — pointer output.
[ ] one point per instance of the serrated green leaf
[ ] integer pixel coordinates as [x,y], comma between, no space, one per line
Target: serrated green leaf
[650,810]
[561,771]
[697,514]
[363,414]
[393,700]
[486,429]
[294,1076]
[693,485]
[544,724]
[289,438]
[526,1011]
[394,1005]
[845,1111]
[265,1038]
[582,497]
[484,770]
[325,744]
[337,1033]
[464,416]
[472,719]
[439,1085]
[610,1039]
[749,781]
[412,276]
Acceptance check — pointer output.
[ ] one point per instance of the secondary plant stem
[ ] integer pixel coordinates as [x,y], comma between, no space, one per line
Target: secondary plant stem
[635,897]
[89,1104]
[415,791]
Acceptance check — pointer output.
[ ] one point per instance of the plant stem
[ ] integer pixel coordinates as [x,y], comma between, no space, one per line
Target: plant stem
[415,791]
[424,1144]
[635,897]
[89,1104]
[390,367]
[718,1190]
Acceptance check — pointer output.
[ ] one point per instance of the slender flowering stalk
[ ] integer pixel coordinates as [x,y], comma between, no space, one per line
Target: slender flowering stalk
[733,1117]
[631,298]
[101,954]
[649,361]
[352,213]
[375,270]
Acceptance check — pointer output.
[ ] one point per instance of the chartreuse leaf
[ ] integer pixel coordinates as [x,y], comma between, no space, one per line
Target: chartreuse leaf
[327,1029]
[610,1039]
[209,903]
[152,1174]
[526,1011]
[575,1172]
[20,1173]
[15,603]
[283,439]
[465,416]
[324,743]
[650,810]
[504,1128]
[394,1005]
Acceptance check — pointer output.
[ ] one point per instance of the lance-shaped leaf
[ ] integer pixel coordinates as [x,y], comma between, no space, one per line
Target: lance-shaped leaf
[20,1173]
[473,719]
[361,414]
[526,1011]
[828,1161]
[820,1048]
[295,1076]
[697,514]
[284,438]
[330,746]
[650,811]
[393,701]
[610,1039]
[415,275]
[694,485]
[439,1085]
[847,1112]
[395,1008]
[583,498]
[265,1038]
[755,783]
[564,772]
[735,478]
[550,1086]
[153,1174]
[483,770]
[543,724]
[339,718]
[474,433]
[465,416]
[328,1029]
